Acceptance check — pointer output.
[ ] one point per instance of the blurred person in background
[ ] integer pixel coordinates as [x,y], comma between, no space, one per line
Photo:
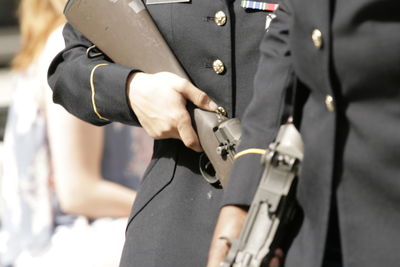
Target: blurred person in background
[68,186]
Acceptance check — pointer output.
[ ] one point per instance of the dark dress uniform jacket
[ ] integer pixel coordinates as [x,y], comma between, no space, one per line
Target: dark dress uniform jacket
[174,214]
[343,59]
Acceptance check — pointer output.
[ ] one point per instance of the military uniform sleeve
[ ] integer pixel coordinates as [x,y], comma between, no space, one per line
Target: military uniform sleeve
[93,89]
[263,116]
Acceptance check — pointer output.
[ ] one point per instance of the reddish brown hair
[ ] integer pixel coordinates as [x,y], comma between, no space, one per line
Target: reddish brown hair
[37,18]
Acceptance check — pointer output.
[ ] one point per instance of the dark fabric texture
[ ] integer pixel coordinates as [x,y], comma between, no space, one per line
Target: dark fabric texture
[72,69]
[173,217]
[351,145]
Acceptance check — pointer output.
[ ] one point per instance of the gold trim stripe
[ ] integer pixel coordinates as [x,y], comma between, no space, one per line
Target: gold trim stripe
[94,91]
[250,151]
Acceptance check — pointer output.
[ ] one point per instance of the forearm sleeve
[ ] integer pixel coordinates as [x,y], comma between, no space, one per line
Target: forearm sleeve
[93,89]
[263,116]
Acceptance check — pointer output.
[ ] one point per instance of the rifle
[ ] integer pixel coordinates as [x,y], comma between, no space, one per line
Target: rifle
[219,137]
[130,37]
[274,215]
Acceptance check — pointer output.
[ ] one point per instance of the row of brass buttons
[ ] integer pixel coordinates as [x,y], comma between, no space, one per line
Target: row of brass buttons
[220,19]
[316,37]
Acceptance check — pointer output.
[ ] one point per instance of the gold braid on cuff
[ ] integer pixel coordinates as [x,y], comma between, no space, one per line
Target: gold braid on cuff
[94,91]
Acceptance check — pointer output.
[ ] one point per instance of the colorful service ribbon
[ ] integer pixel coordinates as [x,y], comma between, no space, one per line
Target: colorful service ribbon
[259,5]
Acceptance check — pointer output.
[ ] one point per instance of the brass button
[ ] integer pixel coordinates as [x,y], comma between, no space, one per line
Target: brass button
[316,37]
[220,18]
[218,66]
[221,111]
[329,103]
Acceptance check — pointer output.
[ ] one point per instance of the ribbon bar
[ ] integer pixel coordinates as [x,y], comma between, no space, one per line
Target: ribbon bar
[259,5]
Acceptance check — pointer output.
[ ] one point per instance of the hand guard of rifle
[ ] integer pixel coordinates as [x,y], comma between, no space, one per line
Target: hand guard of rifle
[219,136]
[274,214]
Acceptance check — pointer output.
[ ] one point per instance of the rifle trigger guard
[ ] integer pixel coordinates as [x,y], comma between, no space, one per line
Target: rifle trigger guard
[207,171]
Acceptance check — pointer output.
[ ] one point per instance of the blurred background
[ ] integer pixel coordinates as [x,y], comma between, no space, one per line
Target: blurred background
[9,45]
[59,200]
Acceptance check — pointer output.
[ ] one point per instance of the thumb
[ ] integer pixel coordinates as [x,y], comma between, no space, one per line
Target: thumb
[198,97]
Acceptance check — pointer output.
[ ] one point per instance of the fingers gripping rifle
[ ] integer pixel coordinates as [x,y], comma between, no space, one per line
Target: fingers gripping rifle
[274,208]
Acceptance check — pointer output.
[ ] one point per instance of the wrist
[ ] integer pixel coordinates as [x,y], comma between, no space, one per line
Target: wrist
[129,84]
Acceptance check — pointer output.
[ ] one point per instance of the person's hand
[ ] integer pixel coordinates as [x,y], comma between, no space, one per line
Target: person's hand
[159,102]
[230,222]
